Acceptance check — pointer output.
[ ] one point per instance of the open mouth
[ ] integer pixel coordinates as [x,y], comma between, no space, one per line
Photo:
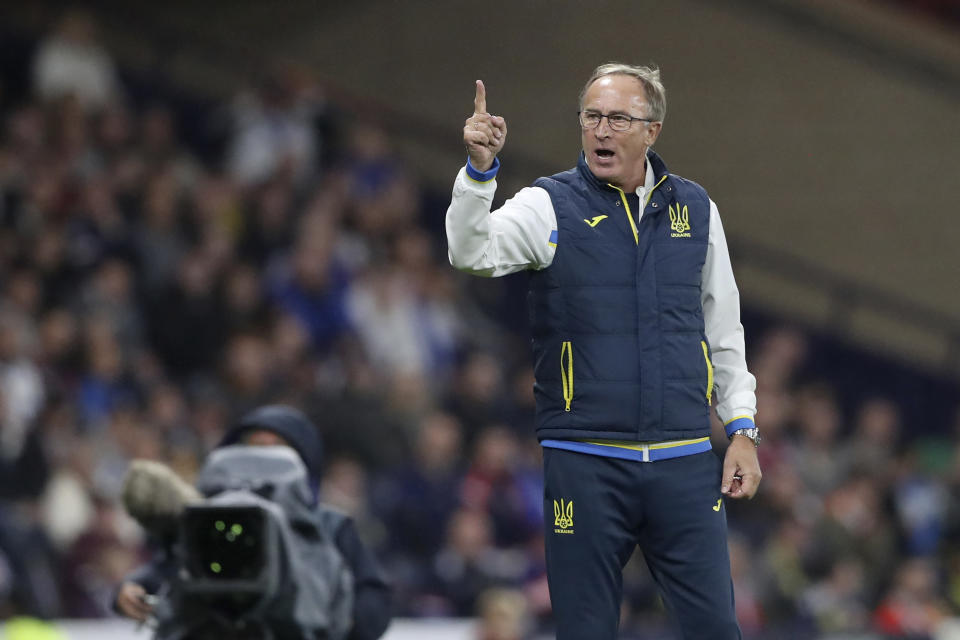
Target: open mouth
[604,153]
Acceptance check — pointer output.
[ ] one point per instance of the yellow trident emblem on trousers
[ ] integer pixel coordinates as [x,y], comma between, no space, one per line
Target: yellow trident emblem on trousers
[563,515]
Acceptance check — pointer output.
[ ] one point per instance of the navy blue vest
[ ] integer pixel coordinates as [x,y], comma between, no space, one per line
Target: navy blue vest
[618,334]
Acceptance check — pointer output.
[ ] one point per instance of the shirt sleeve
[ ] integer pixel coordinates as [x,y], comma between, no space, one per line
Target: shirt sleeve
[735,386]
[515,237]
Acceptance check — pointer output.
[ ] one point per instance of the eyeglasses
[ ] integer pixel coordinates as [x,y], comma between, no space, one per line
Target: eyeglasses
[617,121]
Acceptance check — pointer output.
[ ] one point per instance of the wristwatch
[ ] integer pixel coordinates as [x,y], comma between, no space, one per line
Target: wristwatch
[753,433]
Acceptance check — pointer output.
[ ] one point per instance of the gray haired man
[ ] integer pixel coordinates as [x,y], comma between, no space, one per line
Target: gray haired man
[635,319]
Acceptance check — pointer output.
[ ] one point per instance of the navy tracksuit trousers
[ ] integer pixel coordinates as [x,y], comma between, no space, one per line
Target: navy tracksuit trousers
[671,508]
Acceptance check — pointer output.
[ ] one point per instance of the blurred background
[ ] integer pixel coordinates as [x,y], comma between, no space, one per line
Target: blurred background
[209,206]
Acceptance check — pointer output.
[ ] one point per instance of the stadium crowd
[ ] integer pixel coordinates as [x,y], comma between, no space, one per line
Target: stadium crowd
[148,298]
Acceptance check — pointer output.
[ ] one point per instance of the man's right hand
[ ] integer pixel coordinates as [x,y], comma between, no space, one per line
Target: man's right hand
[483,134]
[132,601]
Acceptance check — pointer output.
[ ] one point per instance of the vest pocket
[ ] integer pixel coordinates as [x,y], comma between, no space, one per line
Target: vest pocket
[706,357]
[566,373]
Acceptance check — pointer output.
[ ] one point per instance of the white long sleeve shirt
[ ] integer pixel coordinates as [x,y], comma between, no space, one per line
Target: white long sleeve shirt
[517,236]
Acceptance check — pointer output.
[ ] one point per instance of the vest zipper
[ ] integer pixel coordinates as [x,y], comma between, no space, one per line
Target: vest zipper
[626,206]
[706,357]
[566,373]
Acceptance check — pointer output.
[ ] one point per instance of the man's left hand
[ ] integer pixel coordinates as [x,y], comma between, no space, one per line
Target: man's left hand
[741,469]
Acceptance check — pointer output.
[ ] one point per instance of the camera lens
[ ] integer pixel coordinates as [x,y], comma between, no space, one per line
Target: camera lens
[225,543]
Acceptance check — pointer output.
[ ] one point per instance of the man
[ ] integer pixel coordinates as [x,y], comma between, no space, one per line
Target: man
[281,425]
[635,321]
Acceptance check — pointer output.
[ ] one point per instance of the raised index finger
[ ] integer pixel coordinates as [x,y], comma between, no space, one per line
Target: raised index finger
[480,100]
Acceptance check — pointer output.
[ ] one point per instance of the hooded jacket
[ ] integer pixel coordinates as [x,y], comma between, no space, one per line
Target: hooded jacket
[371,608]
[290,424]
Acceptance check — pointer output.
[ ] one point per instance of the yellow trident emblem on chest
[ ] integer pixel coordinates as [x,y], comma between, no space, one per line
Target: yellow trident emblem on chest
[679,221]
[679,218]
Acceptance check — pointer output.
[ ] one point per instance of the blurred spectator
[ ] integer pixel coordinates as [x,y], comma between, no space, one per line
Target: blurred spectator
[269,225]
[778,439]
[359,417]
[409,397]
[344,487]
[854,529]
[872,446]
[161,149]
[67,502]
[185,320]
[244,305]
[387,318]
[274,128]
[404,313]
[783,574]
[215,218]
[311,285]
[167,415]
[26,555]
[499,483]
[98,229]
[22,395]
[920,502]
[158,237]
[59,356]
[248,372]
[209,415]
[95,563]
[106,381]
[112,133]
[838,603]
[503,615]
[24,469]
[787,497]
[779,356]
[416,499]
[71,61]
[383,196]
[109,297]
[816,454]
[476,395]
[469,563]
[912,607]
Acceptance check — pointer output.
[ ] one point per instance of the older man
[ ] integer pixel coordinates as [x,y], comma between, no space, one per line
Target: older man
[635,320]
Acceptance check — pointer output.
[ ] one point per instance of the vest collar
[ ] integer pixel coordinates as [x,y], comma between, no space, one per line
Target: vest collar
[656,163]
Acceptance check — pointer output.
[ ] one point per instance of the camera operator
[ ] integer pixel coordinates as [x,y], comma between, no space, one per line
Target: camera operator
[270,426]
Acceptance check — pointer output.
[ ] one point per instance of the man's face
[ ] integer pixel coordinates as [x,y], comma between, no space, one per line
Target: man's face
[263,438]
[618,157]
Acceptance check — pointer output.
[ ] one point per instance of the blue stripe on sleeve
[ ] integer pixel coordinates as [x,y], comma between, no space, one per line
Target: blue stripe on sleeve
[739,423]
[483,176]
